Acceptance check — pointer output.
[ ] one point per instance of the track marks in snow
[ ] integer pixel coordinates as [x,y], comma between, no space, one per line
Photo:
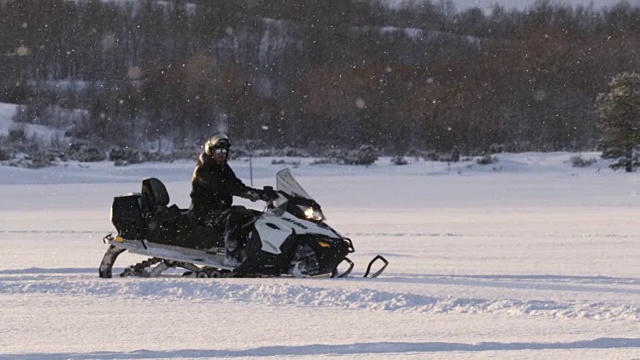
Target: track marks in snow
[401,234]
[340,349]
[287,292]
[52,232]
[588,236]
[594,284]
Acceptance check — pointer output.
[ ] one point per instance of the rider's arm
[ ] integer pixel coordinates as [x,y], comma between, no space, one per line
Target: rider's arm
[238,188]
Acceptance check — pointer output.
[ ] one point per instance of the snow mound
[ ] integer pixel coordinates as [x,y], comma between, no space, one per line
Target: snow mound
[283,292]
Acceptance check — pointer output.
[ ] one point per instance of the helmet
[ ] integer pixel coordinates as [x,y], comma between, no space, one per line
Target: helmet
[217,141]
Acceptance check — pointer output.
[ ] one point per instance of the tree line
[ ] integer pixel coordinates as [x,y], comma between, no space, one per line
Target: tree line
[317,74]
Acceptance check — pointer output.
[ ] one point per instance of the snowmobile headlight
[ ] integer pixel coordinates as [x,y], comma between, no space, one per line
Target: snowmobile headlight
[312,214]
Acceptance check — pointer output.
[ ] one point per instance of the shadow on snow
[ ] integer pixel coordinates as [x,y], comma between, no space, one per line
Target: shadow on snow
[343,349]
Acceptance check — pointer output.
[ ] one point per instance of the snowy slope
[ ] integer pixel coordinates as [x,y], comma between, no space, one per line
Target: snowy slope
[42,133]
[6,114]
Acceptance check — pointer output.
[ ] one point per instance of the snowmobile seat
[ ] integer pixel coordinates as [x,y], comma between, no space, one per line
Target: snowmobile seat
[156,198]
[155,193]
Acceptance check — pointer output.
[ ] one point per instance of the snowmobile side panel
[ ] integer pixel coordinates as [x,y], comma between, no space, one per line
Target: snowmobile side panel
[273,235]
[263,262]
[182,230]
[213,257]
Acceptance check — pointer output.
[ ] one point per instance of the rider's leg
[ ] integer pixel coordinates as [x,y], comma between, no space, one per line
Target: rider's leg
[236,218]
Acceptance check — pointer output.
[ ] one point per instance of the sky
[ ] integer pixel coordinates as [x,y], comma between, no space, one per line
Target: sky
[526,258]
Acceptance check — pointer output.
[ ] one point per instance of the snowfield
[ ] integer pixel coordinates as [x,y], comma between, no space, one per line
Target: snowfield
[528,258]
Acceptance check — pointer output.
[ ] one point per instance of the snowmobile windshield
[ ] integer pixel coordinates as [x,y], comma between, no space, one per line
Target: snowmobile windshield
[286,183]
[306,206]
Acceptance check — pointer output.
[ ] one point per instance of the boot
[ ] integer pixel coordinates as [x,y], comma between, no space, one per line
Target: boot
[232,257]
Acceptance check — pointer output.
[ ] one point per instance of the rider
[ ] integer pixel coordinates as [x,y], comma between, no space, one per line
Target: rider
[213,186]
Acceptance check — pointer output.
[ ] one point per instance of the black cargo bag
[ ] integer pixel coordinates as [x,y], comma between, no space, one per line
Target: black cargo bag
[126,216]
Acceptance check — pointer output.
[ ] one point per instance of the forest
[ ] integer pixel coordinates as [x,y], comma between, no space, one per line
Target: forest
[316,75]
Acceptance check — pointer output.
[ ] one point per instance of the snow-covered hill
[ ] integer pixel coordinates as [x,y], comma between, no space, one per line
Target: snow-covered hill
[45,134]
[7,111]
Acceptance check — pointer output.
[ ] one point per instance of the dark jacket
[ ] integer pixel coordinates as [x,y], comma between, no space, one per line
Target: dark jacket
[213,187]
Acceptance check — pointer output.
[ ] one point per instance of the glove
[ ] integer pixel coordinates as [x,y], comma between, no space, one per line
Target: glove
[269,195]
[254,195]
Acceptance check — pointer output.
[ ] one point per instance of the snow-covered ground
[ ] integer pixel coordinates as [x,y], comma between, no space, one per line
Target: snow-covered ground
[527,258]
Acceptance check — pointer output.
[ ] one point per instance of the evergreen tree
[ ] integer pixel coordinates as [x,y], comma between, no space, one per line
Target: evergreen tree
[620,120]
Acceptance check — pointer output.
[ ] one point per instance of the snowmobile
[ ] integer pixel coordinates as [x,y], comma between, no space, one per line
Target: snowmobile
[288,238]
